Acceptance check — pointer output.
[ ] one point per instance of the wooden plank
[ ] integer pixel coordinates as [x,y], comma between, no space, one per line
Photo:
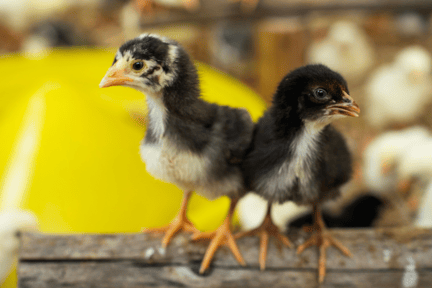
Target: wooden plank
[216,10]
[135,274]
[370,248]
[382,258]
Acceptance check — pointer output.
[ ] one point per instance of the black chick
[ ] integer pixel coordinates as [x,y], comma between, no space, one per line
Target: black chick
[296,155]
[194,144]
[360,213]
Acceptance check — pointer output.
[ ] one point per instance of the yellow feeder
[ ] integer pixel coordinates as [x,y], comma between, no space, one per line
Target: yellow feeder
[75,146]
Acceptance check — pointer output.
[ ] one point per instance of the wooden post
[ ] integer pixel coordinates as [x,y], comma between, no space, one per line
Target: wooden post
[280,46]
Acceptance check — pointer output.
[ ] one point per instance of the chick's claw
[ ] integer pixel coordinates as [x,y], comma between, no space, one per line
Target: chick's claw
[266,229]
[181,222]
[323,240]
[222,236]
[172,229]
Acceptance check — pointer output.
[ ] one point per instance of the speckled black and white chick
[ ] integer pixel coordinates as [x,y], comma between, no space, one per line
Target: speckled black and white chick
[295,154]
[194,144]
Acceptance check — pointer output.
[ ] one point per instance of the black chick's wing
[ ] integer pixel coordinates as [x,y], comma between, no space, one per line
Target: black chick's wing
[335,161]
[238,127]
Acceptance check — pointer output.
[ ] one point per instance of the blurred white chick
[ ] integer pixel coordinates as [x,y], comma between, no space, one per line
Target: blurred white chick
[416,163]
[346,49]
[424,216]
[20,14]
[252,209]
[397,92]
[415,167]
[384,152]
[11,223]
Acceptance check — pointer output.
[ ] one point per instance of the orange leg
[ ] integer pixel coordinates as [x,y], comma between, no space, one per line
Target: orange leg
[323,239]
[266,229]
[179,223]
[222,236]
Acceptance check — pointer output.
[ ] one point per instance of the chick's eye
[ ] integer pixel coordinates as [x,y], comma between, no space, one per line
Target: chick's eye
[138,65]
[320,93]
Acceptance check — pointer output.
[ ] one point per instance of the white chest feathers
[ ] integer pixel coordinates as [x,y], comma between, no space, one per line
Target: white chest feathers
[165,162]
[157,115]
[299,166]
[303,149]
[188,170]
[163,159]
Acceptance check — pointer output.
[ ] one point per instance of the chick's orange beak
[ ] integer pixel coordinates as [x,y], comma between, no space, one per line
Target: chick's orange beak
[114,77]
[348,107]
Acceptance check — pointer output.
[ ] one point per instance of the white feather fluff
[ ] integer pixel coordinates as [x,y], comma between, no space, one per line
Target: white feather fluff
[417,162]
[298,167]
[424,216]
[346,49]
[398,92]
[387,149]
[253,208]
[11,222]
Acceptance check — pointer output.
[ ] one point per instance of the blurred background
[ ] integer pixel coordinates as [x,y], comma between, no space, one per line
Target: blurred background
[69,159]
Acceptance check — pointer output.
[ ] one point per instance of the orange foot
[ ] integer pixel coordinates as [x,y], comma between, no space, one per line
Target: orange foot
[266,229]
[323,239]
[179,223]
[222,236]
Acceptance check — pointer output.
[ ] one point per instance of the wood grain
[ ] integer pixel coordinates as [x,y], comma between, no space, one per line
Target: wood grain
[382,258]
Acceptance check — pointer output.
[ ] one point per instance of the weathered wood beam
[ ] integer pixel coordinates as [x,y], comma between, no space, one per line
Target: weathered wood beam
[382,258]
[212,10]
